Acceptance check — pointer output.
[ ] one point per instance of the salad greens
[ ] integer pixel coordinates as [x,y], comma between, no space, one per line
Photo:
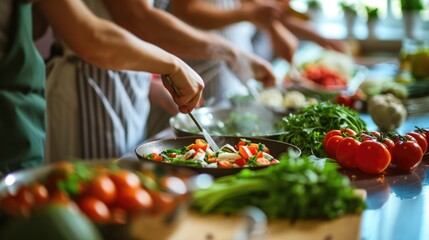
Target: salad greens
[293,189]
[307,128]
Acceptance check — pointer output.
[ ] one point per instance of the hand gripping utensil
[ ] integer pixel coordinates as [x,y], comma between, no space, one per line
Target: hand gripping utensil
[206,135]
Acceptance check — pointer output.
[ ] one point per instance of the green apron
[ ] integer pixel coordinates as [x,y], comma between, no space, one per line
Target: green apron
[22,96]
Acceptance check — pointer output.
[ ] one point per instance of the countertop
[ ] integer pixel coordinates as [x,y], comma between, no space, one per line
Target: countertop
[397,203]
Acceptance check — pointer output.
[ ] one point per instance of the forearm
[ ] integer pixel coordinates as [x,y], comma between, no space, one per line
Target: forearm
[167,32]
[206,16]
[102,43]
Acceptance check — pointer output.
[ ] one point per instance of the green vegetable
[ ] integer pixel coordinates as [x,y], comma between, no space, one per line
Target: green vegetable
[307,128]
[293,189]
[53,221]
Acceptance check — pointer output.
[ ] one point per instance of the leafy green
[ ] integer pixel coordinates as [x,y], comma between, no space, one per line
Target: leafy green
[293,189]
[307,128]
[72,183]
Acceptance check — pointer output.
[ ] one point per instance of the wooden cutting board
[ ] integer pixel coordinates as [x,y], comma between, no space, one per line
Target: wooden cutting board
[220,227]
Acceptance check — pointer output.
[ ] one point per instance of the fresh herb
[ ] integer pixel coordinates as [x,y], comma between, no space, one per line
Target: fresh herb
[73,181]
[411,5]
[371,13]
[293,189]
[307,128]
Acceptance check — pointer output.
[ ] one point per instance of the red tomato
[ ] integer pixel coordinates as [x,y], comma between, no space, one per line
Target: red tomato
[407,155]
[331,134]
[240,162]
[376,134]
[245,152]
[372,157]
[163,202]
[134,199]
[425,133]
[346,152]
[94,209]
[125,179]
[331,146]
[389,144]
[421,140]
[345,100]
[40,193]
[103,188]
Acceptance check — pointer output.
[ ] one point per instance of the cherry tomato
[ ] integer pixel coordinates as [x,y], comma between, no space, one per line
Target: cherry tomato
[389,144]
[425,133]
[331,146]
[10,205]
[421,140]
[40,193]
[376,134]
[346,151]
[407,155]
[163,202]
[331,134]
[345,100]
[134,199]
[103,188]
[94,209]
[124,179]
[372,157]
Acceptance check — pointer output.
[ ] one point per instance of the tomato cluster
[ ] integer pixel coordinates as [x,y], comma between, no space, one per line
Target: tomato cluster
[324,76]
[104,195]
[374,152]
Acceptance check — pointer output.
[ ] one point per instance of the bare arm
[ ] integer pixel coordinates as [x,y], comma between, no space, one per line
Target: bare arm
[204,15]
[106,45]
[170,33]
[166,31]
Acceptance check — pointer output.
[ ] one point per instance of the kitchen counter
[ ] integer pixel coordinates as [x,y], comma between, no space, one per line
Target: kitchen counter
[397,203]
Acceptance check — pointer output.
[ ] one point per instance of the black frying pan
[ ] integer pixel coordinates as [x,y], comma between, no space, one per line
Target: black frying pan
[276,149]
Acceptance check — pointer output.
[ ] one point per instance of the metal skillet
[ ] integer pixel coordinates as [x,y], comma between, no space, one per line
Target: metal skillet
[276,149]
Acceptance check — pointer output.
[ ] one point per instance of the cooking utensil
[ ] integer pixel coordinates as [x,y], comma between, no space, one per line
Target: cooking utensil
[276,149]
[245,121]
[206,135]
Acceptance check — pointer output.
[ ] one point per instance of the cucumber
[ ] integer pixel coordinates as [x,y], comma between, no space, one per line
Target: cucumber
[54,221]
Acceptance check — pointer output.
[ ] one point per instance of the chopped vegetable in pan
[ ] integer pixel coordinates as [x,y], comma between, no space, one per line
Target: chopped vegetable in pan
[199,154]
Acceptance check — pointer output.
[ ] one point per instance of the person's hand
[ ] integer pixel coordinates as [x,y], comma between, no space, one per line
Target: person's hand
[262,12]
[160,96]
[283,42]
[246,66]
[189,86]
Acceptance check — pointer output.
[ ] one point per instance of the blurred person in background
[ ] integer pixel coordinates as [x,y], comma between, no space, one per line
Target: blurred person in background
[104,112]
[240,21]
[22,71]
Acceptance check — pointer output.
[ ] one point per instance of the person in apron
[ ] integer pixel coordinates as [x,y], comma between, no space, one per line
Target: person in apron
[104,113]
[22,71]
[22,92]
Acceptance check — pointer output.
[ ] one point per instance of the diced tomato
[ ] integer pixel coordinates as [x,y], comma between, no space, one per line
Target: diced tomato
[199,144]
[253,147]
[173,154]
[245,152]
[241,143]
[212,159]
[263,161]
[224,164]
[240,162]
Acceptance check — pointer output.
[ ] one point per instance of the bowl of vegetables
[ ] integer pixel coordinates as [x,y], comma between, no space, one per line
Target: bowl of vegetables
[245,121]
[93,200]
[235,154]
